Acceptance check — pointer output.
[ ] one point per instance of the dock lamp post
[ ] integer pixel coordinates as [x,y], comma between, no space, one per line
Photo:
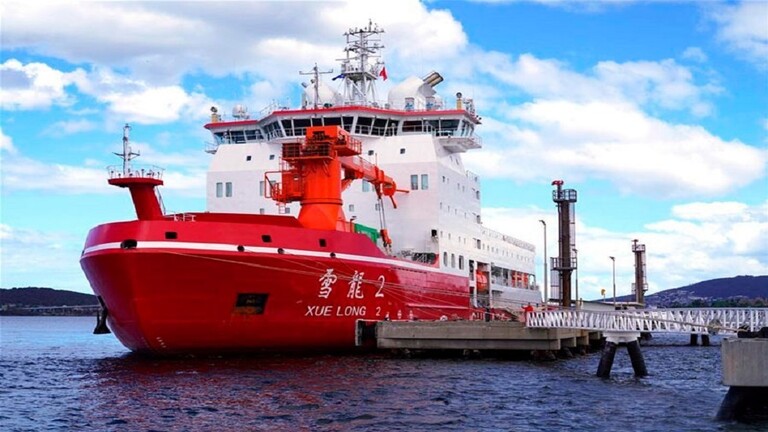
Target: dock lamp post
[546,295]
[613,262]
[576,258]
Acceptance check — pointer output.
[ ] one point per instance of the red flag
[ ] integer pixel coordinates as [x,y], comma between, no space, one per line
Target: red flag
[383,73]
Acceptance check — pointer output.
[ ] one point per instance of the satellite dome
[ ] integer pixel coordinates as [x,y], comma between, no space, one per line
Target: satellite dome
[326,96]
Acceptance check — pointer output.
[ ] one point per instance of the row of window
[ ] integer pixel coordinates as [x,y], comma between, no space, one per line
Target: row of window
[223,189]
[362,125]
[453,260]
[478,244]
[415,182]
[462,188]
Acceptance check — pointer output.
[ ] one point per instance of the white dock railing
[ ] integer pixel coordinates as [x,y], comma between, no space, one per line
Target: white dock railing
[699,320]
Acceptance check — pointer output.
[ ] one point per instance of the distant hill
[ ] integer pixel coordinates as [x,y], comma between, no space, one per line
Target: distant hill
[733,291]
[45,301]
[31,296]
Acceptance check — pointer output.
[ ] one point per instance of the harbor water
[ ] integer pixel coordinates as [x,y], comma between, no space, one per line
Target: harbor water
[56,375]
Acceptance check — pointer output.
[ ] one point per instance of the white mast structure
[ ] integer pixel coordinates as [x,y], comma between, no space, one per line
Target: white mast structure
[316,82]
[360,77]
[127,155]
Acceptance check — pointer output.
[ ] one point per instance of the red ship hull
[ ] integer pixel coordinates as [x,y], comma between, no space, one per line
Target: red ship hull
[226,282]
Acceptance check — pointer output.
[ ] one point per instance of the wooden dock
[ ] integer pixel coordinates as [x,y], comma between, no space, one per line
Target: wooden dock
[477,335]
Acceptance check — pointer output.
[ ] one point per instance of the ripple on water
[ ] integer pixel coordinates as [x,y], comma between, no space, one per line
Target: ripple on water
[91,383]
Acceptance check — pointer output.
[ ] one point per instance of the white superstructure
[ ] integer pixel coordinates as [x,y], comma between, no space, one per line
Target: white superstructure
[416,141]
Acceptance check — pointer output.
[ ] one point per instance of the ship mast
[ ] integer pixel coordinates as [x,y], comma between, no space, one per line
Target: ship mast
[140,181]
[360,77]
[127,155]
[316,81]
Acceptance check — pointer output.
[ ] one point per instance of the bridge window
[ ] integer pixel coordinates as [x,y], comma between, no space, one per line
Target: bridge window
[379,126]
[461,262]
[448,127]
[300,126]
[392,127]
[261,188]
[424,181]
[228,189]
[445,259]
[414,182]
[364,125]
[253,135]
[219,189]
[453,260]
[237,136]
[412,126]
[346,123]
[333,121]
[272,130]
[366,186]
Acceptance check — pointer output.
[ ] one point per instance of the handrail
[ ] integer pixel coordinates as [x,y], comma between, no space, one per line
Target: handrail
[139,171]
[695,320]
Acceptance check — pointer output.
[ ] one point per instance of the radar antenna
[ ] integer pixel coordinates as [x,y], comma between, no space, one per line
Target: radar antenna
[359,76]
[316,81]
[127,155]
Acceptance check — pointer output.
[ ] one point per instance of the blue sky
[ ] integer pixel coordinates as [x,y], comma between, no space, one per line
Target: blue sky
[656,112]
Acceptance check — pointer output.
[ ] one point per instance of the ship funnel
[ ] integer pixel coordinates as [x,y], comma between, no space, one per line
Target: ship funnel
[433,78]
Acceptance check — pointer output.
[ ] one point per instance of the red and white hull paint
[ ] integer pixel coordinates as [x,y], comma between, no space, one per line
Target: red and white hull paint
[232,282]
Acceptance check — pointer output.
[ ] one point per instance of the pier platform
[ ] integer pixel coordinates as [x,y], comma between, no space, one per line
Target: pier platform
[745,370]
[477,335]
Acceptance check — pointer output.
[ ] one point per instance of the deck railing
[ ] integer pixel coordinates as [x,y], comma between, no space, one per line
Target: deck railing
[697,320]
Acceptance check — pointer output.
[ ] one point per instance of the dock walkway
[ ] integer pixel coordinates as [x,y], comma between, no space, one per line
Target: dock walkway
[477,335]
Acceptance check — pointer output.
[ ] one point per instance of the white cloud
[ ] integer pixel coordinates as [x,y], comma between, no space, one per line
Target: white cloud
[22,173]
[184,174]
[702,240]
[695,54]
[665,84]
[136,101]
[40,258]
[618,142]
[33,86]
[70,127]
[6,143]
[160,41]
[744,28]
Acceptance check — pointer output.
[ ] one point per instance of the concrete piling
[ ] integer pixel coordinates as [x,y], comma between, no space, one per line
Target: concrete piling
[606,360]
[745,370]
[612,340]
[636,356]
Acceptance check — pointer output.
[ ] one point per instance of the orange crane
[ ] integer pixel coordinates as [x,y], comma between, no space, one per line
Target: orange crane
[318,170]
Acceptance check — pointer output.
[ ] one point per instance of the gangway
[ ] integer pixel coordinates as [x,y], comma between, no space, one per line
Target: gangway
[691,321]
[625,326]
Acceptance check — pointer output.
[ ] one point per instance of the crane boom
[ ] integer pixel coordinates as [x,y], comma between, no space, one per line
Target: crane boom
[311,173]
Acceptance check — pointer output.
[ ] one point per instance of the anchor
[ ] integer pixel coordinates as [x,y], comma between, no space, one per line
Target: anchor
[101,319]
